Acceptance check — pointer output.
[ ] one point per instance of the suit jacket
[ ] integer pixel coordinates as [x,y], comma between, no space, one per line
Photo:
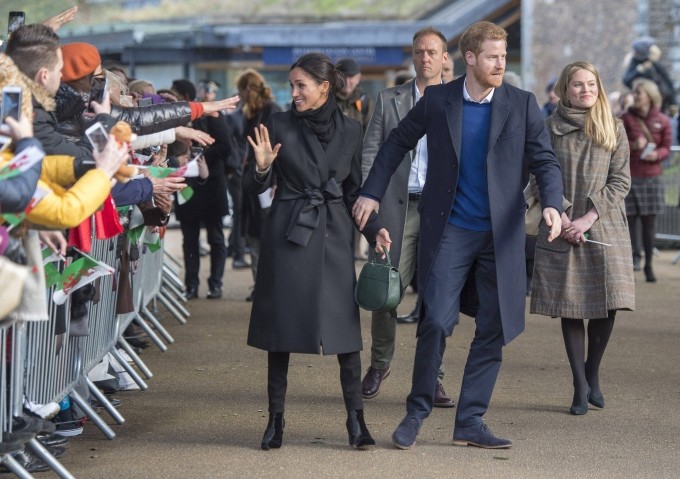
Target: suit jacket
[518,144]
[392,105]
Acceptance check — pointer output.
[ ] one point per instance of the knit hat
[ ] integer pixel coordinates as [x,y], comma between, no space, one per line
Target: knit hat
[348,67]
[642,45]
[80,59]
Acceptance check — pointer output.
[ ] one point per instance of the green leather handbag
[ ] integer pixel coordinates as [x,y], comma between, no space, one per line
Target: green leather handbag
[379,286]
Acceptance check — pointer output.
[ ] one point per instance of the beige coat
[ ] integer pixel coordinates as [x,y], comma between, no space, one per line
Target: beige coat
[588,280]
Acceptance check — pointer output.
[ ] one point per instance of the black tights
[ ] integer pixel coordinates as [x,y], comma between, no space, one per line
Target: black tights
[586,371]
[350,380]
[648,236]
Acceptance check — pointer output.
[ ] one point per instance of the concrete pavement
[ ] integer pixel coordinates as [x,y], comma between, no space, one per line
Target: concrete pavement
[206,407]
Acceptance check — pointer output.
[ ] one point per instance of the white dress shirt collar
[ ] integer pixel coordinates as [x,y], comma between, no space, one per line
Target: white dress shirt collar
[486,99]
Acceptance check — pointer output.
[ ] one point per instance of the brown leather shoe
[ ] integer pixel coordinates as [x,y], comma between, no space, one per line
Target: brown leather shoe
[370,385]
[440,397]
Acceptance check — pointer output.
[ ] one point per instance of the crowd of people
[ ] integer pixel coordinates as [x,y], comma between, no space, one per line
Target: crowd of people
[434,170]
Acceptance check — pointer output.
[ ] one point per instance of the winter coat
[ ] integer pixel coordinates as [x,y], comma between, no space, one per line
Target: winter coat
[154,118]
[659,127]
[304,292]
[251,219]
[586,281]
[357,105]
[16,192]
[45,129]
[210,199]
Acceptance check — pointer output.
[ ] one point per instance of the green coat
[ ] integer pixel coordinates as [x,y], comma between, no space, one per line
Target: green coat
[588,280]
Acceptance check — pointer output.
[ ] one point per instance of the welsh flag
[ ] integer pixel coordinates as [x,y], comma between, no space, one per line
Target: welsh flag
[184,195]
[21,162]
[52,275]
[79,273]
[187,171]
[15,218]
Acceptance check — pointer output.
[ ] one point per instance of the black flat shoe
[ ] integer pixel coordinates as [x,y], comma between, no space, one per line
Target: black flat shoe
[578,410]
[596,399]
[273,435]
[191,293]
[357,431]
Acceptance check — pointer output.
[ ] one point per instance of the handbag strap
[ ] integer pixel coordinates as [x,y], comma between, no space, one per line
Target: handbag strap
[388,258]
[645,130]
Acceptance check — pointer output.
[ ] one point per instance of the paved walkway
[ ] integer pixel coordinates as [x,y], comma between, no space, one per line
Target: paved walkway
[205,410]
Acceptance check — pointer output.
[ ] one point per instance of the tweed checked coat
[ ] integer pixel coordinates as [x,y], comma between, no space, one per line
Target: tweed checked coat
[586,281]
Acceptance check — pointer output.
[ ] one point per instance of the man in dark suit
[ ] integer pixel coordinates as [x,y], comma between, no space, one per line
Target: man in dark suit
[399,206]
[484,138]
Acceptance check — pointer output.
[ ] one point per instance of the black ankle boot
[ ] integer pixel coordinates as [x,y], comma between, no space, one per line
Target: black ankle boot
[649,274]
[273,435]
[359,436]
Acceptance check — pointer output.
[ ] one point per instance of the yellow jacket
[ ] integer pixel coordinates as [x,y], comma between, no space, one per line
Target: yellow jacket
[63,206]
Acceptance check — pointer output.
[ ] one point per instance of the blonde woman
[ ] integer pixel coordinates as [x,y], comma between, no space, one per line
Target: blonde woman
[576,278]
[649,137]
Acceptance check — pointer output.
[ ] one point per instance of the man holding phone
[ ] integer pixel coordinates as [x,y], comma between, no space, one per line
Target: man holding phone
[36,52]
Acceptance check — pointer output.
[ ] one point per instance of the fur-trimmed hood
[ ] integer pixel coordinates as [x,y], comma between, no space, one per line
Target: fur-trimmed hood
[10,75]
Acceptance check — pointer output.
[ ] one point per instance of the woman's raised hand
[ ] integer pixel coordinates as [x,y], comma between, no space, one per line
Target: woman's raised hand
[264,153]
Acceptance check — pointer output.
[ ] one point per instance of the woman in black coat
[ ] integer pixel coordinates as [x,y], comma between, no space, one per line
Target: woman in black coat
[258,105]
[303,300]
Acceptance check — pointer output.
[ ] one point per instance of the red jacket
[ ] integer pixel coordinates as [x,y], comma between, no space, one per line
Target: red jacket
[659,127]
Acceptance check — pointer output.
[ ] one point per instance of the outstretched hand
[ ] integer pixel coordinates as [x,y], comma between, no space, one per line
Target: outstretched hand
[264,153]
[61,19]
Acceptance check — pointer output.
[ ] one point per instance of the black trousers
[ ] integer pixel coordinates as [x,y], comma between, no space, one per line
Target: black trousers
[350,380]
[191,231]
[236,240]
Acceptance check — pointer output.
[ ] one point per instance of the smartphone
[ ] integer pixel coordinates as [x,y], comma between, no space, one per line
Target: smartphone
[648,149]
[97,136]
[11,103]
[196,151]
[99,86]
[144,101]
[15,20]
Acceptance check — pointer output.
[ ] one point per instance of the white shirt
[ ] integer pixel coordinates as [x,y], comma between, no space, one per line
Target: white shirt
[416,179]
[486,99]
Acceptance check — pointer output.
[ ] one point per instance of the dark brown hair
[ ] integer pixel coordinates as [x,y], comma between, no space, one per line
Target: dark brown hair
[320,68]
[33,47]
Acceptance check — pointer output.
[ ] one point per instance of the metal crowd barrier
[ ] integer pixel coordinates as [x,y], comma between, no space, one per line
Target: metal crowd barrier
[668,223]
[40,366]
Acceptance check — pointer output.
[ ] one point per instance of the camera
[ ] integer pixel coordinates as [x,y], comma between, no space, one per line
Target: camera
[196,151]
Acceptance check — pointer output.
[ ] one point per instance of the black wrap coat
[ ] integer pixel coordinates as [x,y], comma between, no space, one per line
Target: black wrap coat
[304,292]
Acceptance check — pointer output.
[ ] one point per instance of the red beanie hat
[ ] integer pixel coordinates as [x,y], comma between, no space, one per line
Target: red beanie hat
[80,59]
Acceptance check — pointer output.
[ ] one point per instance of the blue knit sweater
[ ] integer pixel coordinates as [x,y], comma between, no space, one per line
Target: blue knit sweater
[471,209]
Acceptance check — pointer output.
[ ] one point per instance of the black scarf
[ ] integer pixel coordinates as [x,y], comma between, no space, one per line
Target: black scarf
[321,120]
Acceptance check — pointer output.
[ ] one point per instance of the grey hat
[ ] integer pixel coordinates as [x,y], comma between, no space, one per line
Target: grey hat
[642,45]
[348,67]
